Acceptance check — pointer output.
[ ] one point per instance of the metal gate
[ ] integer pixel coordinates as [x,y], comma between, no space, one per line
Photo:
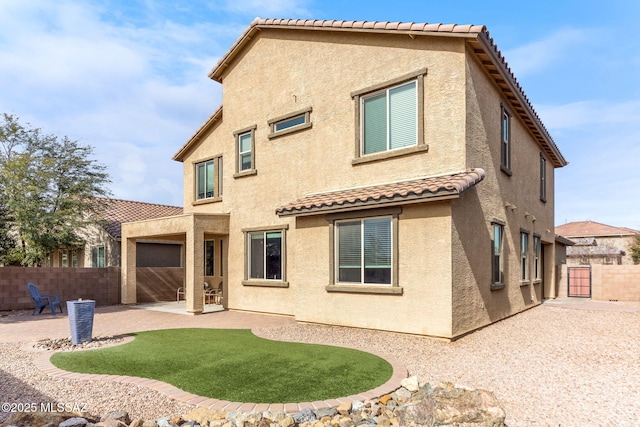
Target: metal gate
[579,282]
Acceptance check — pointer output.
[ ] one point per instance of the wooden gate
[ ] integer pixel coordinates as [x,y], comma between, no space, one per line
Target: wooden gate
[579,282]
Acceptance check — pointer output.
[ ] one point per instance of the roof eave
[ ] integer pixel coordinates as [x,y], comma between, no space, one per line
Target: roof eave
[213,119]
[518,100]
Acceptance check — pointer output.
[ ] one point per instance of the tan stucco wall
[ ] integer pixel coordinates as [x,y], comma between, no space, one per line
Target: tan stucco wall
[424,255]
[474,303]
[444,259]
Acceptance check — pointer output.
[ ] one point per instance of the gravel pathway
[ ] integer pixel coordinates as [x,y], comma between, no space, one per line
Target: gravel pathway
[548,366]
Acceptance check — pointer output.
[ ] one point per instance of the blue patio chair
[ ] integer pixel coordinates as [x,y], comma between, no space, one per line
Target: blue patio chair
[42,301]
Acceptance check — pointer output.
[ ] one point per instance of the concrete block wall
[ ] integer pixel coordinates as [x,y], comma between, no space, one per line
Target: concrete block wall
[99,284]
[608,282]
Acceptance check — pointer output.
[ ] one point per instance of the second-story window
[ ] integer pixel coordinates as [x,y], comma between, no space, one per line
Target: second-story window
[289,123]
[505,141]
[543,178]
[209,179]
[389,119]
[245,151]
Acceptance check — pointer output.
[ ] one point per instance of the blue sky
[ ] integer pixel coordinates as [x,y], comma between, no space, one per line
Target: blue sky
[129,77]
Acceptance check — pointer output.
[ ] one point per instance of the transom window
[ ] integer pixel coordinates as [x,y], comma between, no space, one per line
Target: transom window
[265,260]
[293,122]
[289,123]
[364,251]
[390,119]
[209,179]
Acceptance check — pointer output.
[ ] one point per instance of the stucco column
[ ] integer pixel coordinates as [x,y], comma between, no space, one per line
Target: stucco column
[194,269]
[128,279]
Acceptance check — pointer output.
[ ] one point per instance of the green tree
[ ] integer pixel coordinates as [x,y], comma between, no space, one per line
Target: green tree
[635,250]
[51,188]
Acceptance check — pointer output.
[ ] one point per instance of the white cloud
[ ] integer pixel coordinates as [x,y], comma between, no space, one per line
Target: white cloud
[538,55]
[269,8]
[134,91]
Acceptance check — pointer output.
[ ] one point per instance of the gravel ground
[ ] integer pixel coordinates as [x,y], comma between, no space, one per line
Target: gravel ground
[548,366]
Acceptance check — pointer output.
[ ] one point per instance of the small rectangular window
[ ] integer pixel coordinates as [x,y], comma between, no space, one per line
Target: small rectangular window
[293,122]
[245,152]
[209,258]
[289,123]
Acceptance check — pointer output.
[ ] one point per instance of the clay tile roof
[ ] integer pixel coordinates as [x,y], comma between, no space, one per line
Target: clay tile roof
[418,190]
[119,211]
[593,229]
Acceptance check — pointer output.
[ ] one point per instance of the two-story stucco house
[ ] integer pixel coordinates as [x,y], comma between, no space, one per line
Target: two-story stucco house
[378,175]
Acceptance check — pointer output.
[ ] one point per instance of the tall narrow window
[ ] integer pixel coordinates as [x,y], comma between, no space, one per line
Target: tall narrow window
[543,178]
[64,259]
[364,250]
[74,258]
[209,258]
[209,179]
[221,256]
[537,252]
[265,255]
[524,256]
[390,119]
[497,254]
[245,152]
[505,144]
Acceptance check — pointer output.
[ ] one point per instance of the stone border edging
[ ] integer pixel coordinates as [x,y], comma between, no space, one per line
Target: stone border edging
[43,362]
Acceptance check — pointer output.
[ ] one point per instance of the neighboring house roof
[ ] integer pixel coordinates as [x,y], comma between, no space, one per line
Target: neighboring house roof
[585,241]
[593,229]
[477,36]
[599,250]
[119,211]
[417,190]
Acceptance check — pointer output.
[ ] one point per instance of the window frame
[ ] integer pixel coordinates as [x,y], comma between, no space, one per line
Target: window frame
[217,179]
[501,282]
[239,172]
[361,95]
[543,178]
[306,124]
[506,144]
[369,288]
[524,258]
[97,249]
[279,283]
[209,261]
[537,254]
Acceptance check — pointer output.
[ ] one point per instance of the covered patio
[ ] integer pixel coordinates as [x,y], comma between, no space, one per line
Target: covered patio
[193,230]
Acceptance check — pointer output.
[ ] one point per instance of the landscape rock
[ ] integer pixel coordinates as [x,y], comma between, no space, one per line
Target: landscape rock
[304,416]
[74,422]
[411,384]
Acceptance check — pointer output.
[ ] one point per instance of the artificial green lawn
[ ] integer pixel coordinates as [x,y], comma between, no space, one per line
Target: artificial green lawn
[235,365]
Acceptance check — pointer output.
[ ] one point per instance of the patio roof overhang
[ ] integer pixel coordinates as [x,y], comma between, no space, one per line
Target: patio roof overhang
[172,226]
